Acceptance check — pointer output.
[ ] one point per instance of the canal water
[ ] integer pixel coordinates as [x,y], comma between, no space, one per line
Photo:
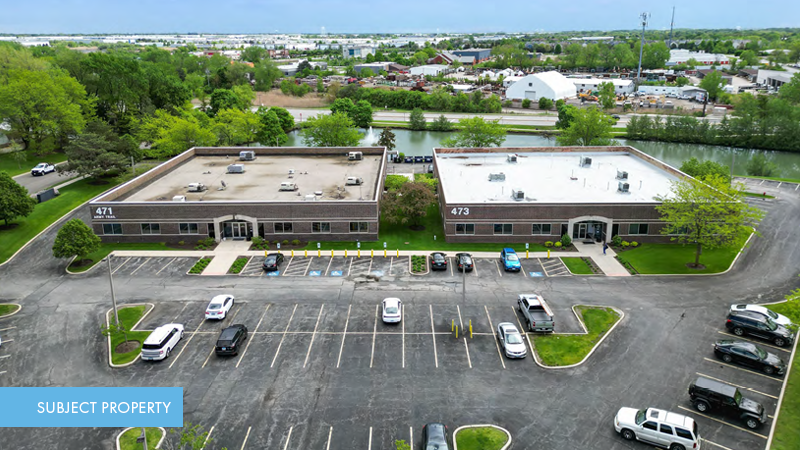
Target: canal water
[416,143]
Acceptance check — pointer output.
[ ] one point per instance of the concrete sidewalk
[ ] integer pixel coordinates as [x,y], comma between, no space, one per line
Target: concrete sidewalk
[224,256]
[607,262]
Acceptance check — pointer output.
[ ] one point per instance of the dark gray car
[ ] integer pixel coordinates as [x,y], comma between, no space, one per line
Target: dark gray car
[434,437]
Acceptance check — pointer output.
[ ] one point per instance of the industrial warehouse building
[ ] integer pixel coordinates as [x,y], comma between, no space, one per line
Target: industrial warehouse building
[329,194]
[550,85]
[539,194]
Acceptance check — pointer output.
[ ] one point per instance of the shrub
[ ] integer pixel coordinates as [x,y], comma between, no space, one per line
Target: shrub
[285,242]
[548,244]
[625,244]
[257,241]
[181,243]
[507,104]
[566,241]
[238,265]
[616,241]
[401,156]
[526,103]
[276,242]
[200,265]
[557,244]
[295,241]
[634,244]
[545,103]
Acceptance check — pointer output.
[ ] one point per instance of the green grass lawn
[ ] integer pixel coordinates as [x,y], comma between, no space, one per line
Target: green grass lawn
[484,438]
[672,258]
[107,248]
[6,309]
[128,440]
[757,194]
[401,237]
[128,316]
[563,350]
[577,265]
[9,164]
[787,430]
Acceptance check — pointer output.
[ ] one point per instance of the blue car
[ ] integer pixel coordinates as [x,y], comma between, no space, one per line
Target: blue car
[510,260]
[409,159]
[418,159]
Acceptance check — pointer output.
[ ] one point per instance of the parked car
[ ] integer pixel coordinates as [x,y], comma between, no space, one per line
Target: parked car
[709,396]
[536,313]
[219,306]
[43,169]
[749,355]
[438,261]
[392,310]
[615,116]
[409,159]
[418,159]
[434,437]
[756,324]
[272,262]
[429,159]
[464,262]
[657,427]
[230,340]
[511,340]
[780,319]
[510,260]
[161,341]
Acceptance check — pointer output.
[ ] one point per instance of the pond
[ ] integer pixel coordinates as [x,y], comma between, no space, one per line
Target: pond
[416,143]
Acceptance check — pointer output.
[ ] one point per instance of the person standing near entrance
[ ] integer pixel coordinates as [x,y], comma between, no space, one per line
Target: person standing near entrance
[605,246]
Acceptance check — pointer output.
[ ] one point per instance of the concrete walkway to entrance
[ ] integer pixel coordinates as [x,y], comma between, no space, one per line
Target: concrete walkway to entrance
[608,263]
[224,255]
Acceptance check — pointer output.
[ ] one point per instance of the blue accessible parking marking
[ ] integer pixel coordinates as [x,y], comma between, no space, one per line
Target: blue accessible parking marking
[315,273]
[536,274]
[377,273]
[274,273]
[336,273]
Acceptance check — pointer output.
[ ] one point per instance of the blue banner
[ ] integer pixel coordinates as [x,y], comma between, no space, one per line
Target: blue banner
[91,407]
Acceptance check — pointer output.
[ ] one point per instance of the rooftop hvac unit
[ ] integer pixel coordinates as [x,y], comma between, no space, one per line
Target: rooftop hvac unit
[247,155]
[518,194]
[512,158]
[179,198]
[197,187]
[622,175]
[623,188]
[497,176]
[236,168]
[586,161]
[355,156]
[311,198]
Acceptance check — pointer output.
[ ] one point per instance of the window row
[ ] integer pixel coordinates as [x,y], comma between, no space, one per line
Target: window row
[192,228]
[504,228]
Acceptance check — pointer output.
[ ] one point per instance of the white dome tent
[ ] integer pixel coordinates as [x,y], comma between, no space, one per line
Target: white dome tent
[550,85]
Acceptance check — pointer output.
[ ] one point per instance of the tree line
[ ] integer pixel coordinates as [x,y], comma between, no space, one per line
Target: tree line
[439,99]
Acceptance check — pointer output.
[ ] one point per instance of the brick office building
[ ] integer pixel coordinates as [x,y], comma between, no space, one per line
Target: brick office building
[158,207]
[540,194]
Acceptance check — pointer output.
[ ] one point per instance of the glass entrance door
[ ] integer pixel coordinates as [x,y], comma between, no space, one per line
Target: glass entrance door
[580,231]
[239,230]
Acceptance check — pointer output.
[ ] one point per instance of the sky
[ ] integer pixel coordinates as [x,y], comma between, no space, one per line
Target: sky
[380,16]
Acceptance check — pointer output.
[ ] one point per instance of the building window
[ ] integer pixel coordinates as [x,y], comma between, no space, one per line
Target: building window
[503,228]
[283,227]
[151,228]
[188,228]
[465,228]
[541,228]
[320,227]
[359,227]
[112,228]
[638,228]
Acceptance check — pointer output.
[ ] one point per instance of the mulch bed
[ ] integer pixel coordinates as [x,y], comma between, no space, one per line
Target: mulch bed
[126,347]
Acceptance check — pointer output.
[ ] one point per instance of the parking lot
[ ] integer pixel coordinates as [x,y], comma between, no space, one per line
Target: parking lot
[7,344]
[146,266]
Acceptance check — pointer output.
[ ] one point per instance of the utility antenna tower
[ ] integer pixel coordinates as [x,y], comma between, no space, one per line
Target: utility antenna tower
[644,16]
[324,33]
[671,27]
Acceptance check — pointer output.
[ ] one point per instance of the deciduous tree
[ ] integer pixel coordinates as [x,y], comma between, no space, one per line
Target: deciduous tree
[361,114]
[416,120]
[760,166]
[589,126]
[386,139]
[14,199]
[702,169]
[713,84]
[330,130]
[236,127]
[271,132]
[477,132]
[441,123]
[408,204]
[606,95]
[75,238]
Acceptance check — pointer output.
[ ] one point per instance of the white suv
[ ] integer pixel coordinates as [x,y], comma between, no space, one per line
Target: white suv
[658,427]
[161,341]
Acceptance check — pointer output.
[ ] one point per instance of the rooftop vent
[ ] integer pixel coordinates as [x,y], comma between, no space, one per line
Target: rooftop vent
[586,161]
[518,194]
[623,188]
[497,176]
[247,155]
[512,158]
[236,168]
[622,175]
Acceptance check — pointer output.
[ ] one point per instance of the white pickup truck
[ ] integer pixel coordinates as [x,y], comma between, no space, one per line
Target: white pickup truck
[43,169]
[537,315]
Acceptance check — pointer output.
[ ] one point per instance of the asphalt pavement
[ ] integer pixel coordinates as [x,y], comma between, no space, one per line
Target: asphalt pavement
[39,183]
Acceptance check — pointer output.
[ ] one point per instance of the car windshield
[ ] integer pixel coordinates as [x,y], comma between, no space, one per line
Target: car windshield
[438,257]
[38,166]
[214,306]
[772,314]
[514,338]
[641,416]
[512,257]
[391,310]
[466,260]
[760,352]
[270,259]
[771,326]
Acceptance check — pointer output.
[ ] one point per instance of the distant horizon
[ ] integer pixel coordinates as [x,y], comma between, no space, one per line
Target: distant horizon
[71,17]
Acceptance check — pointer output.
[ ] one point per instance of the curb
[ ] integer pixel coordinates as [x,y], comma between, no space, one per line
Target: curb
[581,274]
[591,352]
[504,447]
[160,441]
[13,313]
[780,397]
[133,328]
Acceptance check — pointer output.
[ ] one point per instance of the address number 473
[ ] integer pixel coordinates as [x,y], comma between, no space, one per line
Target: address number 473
[460,211]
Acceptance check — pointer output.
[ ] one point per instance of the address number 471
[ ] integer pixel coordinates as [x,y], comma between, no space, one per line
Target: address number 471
[460,211]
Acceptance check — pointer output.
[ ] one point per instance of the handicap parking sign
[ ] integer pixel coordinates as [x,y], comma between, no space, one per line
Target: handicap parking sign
[336,273]
[536,274]
[315,273]
[275,273]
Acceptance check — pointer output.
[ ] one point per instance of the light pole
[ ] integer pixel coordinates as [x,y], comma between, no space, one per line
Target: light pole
[464,284]
[111,282]
[644,16]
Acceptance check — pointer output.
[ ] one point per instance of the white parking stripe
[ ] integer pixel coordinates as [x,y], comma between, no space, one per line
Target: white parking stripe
[175,319]
[369,271]
[403,325]
[737,385]
[213,347]
[370,439]
[314,334]
[186,344]
[744,370]
[281,342]
[715,444]
[329,266]
[208,436]
[8,340]
[498,268]
[543,268]
[344,334]
[433,334]
[289,436]
[391,262]
[328,445]
[6,329]
[451,265]
[521,330]
[5,371]
[307,266]
[522,268]
[789,350]
[140,266]
[249,341]
[722,422]
[374,333]
[166,265]
[411,439]
[350,267]
[464,334]
[245,437]
[496,345]
[5,356]
[120,266]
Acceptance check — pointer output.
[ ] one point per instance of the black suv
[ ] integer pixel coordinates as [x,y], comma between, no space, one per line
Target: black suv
[230,340]
[713,395]
[438,261]
[753,323]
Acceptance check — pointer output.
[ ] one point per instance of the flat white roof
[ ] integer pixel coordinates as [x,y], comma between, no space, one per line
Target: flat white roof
[550,178]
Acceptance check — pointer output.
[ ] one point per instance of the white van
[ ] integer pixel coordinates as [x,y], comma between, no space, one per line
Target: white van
[289,186]
[354,181]
[161,341]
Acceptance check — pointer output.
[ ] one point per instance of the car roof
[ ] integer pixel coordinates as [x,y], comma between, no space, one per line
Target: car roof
[506,325]
[509,250]
[670,418]
[722,388]
[220,298]
[748,314]
[160,333]
[229,332]
[391,301]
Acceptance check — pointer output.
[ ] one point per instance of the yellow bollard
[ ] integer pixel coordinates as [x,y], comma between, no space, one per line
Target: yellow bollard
[292,253]
[345,253]
[398,252]
[470,328]
[456,331]
[265,253]
[319,253]
[372,253]
[359,253]
[305,252]
[548,254]
[331,253]
[452,324]
[384,253]
[526,254]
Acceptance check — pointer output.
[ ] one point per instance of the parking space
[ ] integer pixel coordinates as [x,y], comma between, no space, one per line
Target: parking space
[297,266]
[380,266]
[488,268]
[145,266]
[359,267]
[253,267]
[398,266]
[7,343]
[339,266]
